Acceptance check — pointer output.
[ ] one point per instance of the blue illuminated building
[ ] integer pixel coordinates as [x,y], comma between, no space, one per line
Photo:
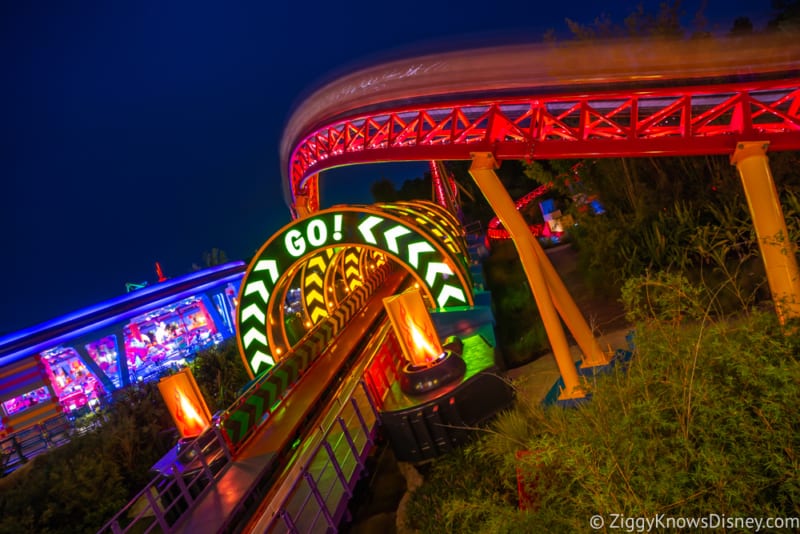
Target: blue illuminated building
[69,364]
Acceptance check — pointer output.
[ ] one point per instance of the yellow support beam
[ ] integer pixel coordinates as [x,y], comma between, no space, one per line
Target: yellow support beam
[593,355]
[777,250]
[482,171]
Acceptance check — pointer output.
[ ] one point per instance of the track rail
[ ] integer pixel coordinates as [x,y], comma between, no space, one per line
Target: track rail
[542,102]
[213,484]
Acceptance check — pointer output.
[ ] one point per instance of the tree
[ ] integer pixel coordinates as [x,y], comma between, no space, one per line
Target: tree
[787,16]
[220,374]
[742,26]
[215,257]
[384,191]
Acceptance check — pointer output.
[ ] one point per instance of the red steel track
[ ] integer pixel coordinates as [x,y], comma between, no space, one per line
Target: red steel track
[575,100]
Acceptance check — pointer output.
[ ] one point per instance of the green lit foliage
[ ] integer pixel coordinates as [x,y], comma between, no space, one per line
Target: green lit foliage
[80,485]
[220,374]
[520,332]
[461,494]
[703,421]
[684,215]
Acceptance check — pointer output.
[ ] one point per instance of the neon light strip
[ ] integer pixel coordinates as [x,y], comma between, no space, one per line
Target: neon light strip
[33,335]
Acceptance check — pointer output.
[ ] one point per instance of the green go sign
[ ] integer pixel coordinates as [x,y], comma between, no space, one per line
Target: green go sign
[317,233]
[402,239]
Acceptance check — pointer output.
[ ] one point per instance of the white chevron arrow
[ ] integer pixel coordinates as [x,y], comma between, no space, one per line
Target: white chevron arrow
[268,265]
[435,268]
[450,292]
[260,358]
[392,235]
[366,228]
[253,335]
[257,287]
[253,311]
[415,249]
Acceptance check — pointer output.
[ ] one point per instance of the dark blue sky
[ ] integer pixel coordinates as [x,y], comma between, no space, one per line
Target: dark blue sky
[135,132]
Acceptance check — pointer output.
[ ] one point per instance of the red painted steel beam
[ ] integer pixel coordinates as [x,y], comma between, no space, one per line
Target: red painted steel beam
[659,101]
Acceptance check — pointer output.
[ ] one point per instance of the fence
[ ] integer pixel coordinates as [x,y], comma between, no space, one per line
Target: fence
[22,446]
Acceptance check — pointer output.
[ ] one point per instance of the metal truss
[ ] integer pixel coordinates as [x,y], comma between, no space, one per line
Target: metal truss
[694,120]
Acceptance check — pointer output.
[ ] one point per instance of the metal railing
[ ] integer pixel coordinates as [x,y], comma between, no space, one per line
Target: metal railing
[312,495]
[185,477]
[317,495]
[20,447]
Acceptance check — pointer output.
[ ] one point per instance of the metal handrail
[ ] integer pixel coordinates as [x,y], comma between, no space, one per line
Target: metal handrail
[183,481]
[167,497]
[299,470]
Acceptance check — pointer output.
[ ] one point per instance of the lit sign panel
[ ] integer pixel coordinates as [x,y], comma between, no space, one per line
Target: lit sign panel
[414,328]
[422,253]
[185,403]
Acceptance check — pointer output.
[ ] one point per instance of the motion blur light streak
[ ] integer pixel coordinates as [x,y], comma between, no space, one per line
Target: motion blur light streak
[573,100]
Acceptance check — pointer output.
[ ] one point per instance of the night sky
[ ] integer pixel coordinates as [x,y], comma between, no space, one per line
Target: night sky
[135,132]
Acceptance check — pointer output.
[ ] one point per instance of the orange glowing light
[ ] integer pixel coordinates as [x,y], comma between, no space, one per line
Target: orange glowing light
[414,328]
[421,340]
[187,416]
[185,403]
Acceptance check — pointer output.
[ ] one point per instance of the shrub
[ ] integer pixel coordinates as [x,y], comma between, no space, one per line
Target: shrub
[703,421]
[220,374]
[521,336]
[81,485]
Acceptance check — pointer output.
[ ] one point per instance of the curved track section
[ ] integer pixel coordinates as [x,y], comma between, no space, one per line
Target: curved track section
[408,234]
[549,101]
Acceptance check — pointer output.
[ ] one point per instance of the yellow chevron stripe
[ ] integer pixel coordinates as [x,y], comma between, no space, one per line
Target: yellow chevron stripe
[314,278]
[317,314]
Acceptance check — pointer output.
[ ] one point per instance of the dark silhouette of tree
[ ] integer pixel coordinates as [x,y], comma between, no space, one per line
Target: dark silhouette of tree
[215,257]
[383,191]
[787,16]
[742,26]
[417,189]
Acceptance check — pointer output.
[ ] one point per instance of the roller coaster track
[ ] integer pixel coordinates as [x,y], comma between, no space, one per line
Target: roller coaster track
[574,100]
[218,481]
[535,102]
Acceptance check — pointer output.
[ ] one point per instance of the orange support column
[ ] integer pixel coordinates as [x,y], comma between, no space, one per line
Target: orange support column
[593,355]
[777,250]
[482,171]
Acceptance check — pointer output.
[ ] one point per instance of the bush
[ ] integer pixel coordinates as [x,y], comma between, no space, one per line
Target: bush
[220,374]
[81,485]
[521,336]
[703,421]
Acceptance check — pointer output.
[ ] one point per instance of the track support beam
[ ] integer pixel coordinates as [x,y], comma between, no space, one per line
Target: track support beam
[777,250]
[482,171]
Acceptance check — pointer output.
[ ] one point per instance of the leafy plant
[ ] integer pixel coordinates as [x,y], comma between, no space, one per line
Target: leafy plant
[703,421]
[220,374]
[520,332]
[79,486]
